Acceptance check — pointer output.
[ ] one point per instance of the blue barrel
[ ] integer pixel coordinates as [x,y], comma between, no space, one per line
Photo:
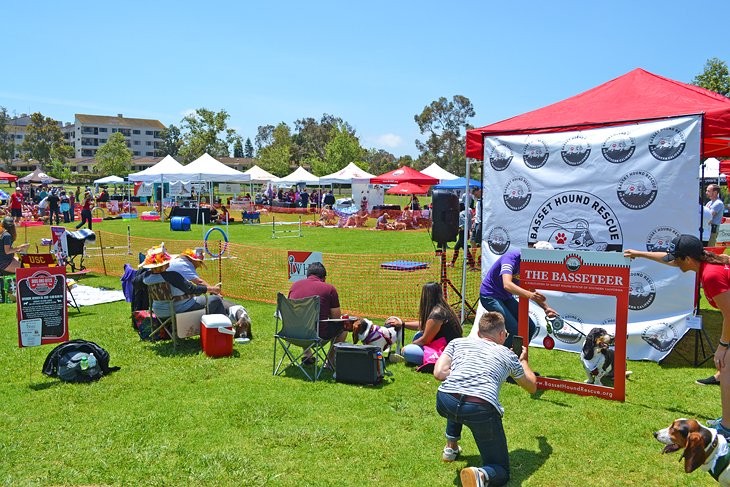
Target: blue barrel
[179,223]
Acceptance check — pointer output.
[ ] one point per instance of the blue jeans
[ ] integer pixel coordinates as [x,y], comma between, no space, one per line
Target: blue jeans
[485,424]
[509,308]
[412,353]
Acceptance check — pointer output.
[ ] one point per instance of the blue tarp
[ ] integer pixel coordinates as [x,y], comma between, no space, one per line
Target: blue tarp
[458,183]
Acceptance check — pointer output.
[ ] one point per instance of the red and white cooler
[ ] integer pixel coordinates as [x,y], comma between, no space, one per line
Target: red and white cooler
[216,335]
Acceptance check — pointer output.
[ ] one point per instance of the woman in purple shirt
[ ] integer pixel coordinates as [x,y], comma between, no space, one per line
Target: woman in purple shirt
[500,286]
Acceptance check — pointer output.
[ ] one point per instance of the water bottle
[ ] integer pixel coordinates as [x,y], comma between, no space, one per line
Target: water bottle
[92,361]
[84,363]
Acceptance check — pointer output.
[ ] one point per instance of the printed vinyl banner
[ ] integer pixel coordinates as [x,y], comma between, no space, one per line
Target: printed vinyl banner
[607,189]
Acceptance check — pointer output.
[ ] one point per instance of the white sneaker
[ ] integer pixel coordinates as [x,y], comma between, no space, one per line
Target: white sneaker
[395,358]
[450,454]
[712,423]
[471,477]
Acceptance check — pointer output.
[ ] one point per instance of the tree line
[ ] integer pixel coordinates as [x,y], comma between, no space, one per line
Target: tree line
[325,145]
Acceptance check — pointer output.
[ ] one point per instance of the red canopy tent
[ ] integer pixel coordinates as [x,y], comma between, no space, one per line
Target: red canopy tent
[407,188]
[725,167]
[636,96]
[7,176]
[404,174]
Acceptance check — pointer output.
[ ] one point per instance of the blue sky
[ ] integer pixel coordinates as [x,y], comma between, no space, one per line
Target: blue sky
[375,64]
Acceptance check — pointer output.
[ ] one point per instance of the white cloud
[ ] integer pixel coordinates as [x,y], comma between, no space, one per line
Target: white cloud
[391,141]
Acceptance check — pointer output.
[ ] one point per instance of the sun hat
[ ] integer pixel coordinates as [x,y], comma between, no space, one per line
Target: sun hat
[684,246]
[196,254]
[156,259]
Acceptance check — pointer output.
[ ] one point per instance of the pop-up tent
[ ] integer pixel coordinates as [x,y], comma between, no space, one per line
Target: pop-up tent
[163,170]
[109,180]
[207,168]
[38,176]
[258,175]
[346,175]
[404,174]
[636,96]
[5,176]
[458,183]
[438,172]
[299,176]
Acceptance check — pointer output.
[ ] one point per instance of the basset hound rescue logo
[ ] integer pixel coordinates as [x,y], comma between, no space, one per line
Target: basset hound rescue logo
[535,154]
[661,336]
[500,157]
[566,328]
[637,190]
[576,151]
[498,240]
[660,238]
[618,148]
[642,291]
[577,220]
[667,144]
[517,194]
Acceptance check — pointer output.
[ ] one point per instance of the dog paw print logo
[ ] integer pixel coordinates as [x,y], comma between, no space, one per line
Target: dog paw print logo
[560,238]
[574,234]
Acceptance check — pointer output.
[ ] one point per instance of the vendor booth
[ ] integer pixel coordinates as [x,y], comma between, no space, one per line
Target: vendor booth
[613,168]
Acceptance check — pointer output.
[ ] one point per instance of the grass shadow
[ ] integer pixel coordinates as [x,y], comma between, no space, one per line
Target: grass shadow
[523,463]
[165,348]
[682,355]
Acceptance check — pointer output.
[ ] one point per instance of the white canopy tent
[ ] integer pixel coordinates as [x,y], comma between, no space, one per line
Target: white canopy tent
[258,175]
[300,176]
[165,170]
[109,180]
[207,168]
[346,175]
[710,169]
[436,171]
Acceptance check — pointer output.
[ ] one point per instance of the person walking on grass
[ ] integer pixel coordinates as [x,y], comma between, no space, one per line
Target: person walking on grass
[472,371]
[687,253]
[86,210]
[717,208]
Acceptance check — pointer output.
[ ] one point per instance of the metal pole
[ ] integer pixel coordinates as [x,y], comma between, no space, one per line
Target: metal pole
[101,246]
[467,224]
[129,241]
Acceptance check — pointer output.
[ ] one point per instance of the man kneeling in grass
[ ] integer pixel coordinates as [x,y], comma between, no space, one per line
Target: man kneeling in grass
[473,370]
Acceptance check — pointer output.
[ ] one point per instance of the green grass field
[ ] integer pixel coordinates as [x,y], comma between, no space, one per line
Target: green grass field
[186,419]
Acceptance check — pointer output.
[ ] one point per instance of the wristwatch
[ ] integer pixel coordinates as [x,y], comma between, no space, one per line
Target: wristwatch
[723,344]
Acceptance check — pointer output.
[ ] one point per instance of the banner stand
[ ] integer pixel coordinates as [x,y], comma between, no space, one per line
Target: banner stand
[604,273]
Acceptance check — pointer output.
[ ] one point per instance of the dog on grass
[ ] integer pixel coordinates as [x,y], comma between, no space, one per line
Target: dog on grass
[385,337]
[704,448]
[241,321]
[597,356]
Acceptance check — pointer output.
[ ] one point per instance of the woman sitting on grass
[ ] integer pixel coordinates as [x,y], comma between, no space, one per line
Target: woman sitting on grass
[8,262]
[437,325]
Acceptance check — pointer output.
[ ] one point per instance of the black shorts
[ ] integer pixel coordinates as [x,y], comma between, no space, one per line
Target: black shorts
[16,212]
[328,330]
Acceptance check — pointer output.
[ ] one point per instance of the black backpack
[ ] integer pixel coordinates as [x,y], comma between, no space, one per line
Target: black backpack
[140,296]
[78,361]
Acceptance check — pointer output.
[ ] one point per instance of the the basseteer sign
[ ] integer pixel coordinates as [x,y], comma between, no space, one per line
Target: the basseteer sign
[605,273]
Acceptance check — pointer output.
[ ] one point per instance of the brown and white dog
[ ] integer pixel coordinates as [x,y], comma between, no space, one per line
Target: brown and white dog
[703,447]
[241,321]
[597,356]
[385,337]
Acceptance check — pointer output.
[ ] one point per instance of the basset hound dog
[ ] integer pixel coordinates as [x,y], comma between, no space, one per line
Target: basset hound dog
[597,356]
[704,448]
[385,337]
[241,321]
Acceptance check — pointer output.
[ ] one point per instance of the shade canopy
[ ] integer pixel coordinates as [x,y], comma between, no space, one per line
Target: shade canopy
[208,168]
[109,180]
[458,183]
[636,96]
[438,172]
[38,176]
[259,175]
[407,188]
[162,170]
[346,175]
[299,176]
[404,174]
[6,176]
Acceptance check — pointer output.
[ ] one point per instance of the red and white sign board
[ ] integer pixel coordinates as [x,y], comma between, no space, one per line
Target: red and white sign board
[604,273]
[298,262]
[41,298]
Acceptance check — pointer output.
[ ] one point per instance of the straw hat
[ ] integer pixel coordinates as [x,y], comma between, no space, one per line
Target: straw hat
[156,259]
[196,254]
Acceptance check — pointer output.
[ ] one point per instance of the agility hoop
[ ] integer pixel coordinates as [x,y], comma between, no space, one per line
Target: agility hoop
[225,240]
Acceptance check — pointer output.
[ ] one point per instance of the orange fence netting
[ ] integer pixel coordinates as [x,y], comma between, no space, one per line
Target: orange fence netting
[257,274]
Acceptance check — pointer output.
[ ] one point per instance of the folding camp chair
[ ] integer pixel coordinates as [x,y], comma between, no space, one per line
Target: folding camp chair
[176,325]
[299,326]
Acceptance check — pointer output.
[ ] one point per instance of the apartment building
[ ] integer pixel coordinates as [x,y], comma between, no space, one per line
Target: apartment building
[89,132]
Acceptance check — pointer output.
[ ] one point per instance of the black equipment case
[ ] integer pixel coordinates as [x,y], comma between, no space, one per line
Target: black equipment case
[358,364]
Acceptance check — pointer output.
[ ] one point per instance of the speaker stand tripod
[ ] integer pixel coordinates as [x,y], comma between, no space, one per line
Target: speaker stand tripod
[446,284]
